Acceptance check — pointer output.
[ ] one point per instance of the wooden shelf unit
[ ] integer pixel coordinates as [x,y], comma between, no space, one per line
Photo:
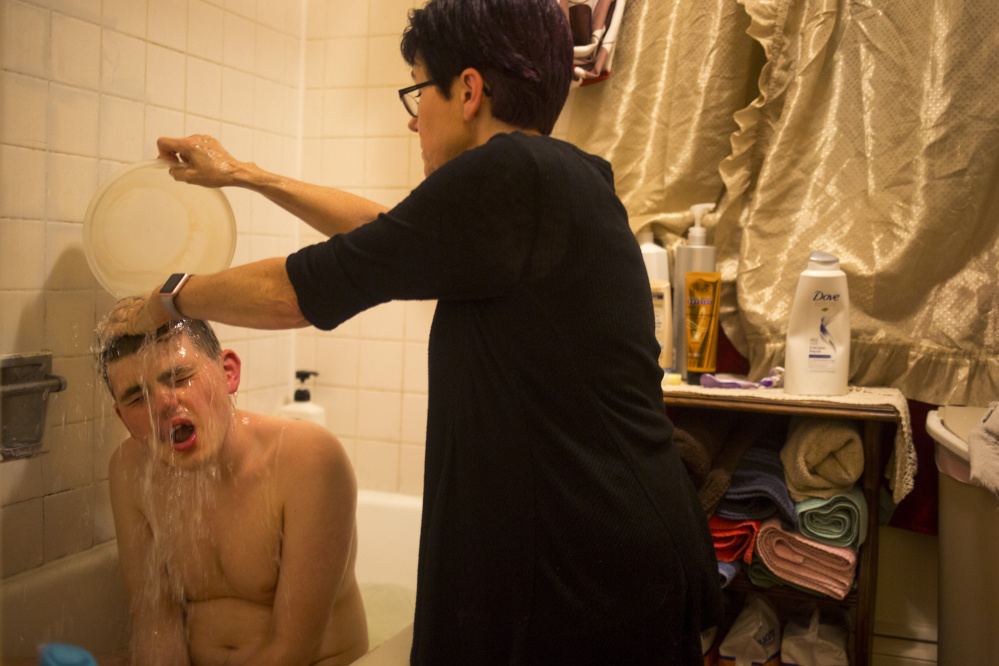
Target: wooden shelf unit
[874,420]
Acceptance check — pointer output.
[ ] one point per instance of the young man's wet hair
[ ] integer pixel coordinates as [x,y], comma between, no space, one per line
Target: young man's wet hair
[113,348]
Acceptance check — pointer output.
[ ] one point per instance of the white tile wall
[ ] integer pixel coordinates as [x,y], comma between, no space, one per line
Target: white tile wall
[237,96]
[73,120]
[204,87]
[204,26]
[21,480]
[238,43]
[76,52]
[70,461]
[87,10]
[346,62]
[65,262]
[166,23]
[22,270]
[346,18]
[385,66]
[21,532]
[126,16]
[69,522]
[376,464]
[22,190]
[26,44]
[120,128]
[166,75]
[72,181]
[24,123]
[123,64]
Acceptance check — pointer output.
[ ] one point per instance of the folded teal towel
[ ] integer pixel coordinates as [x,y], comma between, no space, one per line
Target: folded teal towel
[840,520]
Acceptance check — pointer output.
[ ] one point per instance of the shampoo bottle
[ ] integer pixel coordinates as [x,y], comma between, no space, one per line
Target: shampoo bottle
[657,265]
[817,356]
[694,257]
[302,408]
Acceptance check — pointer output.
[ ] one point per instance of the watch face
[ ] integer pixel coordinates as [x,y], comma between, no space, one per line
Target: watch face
[172,283]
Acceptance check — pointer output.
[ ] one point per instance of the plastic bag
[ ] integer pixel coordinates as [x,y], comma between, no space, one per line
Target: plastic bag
[811,640]
[755,637]
[709,646]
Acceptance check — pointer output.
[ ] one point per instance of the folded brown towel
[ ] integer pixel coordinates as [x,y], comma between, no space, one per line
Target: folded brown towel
[822,457]
[699,437]
[718,480]
[711,445]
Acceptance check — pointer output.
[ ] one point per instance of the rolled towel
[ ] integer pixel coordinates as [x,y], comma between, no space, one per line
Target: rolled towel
[718,480]
[734,540]
[761,576]
[727,571]
[806,562]
[699,437]
[757,490]
[840,520]
[822,457]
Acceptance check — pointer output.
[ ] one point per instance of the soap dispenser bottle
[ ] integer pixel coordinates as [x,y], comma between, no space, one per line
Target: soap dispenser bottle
[657,266]
[694,257]
[302,407]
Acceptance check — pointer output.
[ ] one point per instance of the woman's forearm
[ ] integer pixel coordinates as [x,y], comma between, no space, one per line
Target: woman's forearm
[255,295]
[325,209]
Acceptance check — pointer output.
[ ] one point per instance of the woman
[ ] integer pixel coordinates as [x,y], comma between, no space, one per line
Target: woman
[559,525]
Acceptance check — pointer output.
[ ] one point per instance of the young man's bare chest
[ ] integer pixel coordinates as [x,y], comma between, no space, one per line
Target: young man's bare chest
[217,539]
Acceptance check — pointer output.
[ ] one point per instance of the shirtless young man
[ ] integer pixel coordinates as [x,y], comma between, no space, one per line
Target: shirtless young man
[236,531]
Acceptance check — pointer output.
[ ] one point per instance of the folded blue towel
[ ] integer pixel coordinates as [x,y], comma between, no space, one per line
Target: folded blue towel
[757,490]
[840,520]
[727,571]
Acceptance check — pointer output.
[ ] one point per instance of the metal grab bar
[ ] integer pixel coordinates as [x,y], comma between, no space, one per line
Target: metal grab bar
[51,384]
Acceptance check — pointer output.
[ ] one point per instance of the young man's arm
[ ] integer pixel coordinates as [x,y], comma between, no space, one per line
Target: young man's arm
[157,619]
[316,479]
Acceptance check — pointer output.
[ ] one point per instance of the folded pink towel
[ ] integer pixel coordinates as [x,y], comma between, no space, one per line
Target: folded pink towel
[806,562]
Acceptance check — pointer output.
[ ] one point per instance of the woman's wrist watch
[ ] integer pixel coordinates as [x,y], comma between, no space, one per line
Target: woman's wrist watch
[169,291]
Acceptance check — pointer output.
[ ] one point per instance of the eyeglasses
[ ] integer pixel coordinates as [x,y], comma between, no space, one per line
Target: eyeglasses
[411,97]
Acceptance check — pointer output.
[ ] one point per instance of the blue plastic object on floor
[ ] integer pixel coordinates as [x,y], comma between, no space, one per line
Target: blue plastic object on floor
[58,654]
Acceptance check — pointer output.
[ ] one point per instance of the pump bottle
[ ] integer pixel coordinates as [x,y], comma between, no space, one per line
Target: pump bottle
[302,408]
[657,265]
[694,257]
[817,355]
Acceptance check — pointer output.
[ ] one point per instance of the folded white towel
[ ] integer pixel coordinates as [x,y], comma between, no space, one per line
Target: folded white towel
[983,449]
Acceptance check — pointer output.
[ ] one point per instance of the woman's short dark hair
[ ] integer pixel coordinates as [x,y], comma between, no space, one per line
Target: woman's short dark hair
[522,48]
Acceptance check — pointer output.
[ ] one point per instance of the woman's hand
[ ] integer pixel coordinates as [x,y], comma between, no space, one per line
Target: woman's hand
[134,315]
[201,160]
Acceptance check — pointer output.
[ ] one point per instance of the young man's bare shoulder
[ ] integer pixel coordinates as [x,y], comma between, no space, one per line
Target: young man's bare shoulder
[128,457]
[299,443]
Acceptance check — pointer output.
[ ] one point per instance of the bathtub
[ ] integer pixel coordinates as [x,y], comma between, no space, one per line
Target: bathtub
[80,599]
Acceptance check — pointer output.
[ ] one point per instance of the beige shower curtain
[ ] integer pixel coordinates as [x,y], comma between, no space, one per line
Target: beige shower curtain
[872,133]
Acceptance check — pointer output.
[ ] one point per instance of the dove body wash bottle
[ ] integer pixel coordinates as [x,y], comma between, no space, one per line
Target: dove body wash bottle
[817,355]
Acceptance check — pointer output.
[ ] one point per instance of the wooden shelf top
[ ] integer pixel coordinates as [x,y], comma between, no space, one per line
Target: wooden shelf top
[775,401]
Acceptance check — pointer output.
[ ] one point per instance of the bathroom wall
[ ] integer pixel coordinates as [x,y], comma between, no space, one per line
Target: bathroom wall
[304,88]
